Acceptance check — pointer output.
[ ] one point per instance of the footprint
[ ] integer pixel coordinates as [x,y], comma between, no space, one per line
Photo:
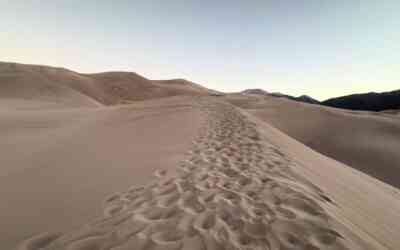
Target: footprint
[205,221]
[153,213]
[112,210]
[130,228]
[191,204]
[136,243]
[170,240]
[160,173]
[169,199]
[94,242]
[39,241]
[256,230]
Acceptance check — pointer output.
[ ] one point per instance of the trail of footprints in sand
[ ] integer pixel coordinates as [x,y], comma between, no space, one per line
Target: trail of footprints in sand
[233,191]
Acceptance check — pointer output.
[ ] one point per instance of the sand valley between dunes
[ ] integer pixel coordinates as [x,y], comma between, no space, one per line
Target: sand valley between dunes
[240,184]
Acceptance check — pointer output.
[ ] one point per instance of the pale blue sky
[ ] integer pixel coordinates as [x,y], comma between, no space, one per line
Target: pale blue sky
[320,48]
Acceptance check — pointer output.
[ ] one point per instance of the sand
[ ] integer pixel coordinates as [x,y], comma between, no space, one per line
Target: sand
[241,185]
[366,141]
[115,161]
[74,89]
[57,164]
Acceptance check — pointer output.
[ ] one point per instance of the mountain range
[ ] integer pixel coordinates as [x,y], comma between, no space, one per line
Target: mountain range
[369,101]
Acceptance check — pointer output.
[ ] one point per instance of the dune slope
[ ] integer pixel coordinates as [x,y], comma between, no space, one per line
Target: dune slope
[57,164]
[367,141]
[44,83]
[242,186]
[35,83]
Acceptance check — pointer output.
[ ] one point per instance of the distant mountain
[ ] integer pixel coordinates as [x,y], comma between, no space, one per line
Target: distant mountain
[307,99]
[303,98]
[370,101]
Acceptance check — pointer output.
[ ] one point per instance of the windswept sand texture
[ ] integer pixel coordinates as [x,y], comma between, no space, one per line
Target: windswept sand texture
[235,190]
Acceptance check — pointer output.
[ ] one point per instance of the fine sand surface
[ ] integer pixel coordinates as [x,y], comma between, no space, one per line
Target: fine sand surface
[57,164]
[367,141]
[242,184]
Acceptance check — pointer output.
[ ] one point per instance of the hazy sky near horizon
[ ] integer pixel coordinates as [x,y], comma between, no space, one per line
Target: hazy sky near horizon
[315,47]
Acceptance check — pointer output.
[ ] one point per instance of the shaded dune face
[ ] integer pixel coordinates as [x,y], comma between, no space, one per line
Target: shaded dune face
[366,141]
[234,190]
[36,83]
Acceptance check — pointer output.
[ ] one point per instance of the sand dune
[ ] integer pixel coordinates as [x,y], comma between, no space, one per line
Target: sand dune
[198,172]
[241,185]
[32,83]
[57,164]
[367,141]
[71,89]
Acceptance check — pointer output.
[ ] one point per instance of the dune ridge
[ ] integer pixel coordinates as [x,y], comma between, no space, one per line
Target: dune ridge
[73,89]
[234,190]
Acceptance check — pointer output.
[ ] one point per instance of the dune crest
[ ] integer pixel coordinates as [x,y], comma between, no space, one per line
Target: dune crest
[72,89]
[234,190]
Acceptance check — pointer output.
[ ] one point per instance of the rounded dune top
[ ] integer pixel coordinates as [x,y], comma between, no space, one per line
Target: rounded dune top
[44,83]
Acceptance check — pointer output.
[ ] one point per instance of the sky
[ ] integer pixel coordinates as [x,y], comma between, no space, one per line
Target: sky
[321,48]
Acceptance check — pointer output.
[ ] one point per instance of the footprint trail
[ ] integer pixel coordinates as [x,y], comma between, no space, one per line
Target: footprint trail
[234,190]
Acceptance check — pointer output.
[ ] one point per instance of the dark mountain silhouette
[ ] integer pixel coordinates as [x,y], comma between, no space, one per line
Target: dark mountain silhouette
[369,101]
[307,99]
[302,98]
